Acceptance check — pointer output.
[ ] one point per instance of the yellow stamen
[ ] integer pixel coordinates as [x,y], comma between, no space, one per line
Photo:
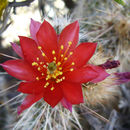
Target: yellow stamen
[63,55]
[46,79]
[63,77]
[70,43]
[65,58]
[37,58]
[34,64]
[43,54]
[54,76]
[54,58]
[73,63]
[53,52]
[59,63]
[52,88]
[62,47]
[38,68]
[60,68]
[47,83]
[37,78]
[44,66]
[71,69]
[39,47]
[58,80]
[60,73]
[41,63]
[71,53]
[42,74]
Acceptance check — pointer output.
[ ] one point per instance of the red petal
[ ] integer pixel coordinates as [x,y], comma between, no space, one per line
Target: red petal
[34,27]
[53,97]
[34,87]
[66,104]
[82,54]
[70,33]
[72,92]
[19,69]
[17,49]
[28,101]
[30,50]
[47,38]
[102,74]
[82,75]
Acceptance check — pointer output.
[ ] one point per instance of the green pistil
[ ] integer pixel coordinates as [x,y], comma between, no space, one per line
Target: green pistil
[52,67]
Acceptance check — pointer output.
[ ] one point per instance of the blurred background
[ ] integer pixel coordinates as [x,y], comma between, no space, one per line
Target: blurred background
[104,21]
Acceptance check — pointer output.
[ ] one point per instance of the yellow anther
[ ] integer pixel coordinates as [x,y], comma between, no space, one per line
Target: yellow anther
[47,83]
[58,80]
[71,69]
[60,68]
[60,73]
[53,52]
[62,47]
[46,78]
[52,88]
[73,63]
[49,76]
[48,72]
[38,68]
[54,58]
[43,54]
[71,53]
[62,55]
[63,78]
[55,75]
[41,63]
[59,63]
[70,43]
[65,58]
[39,47]
[42,74]
[37,58]
[34,64]
[37,78]
[44,66]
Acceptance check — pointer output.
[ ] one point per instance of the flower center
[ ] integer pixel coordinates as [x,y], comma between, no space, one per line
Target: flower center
[53,71]
[52,67]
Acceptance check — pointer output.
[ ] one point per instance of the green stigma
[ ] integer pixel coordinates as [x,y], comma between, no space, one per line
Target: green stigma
[52,67]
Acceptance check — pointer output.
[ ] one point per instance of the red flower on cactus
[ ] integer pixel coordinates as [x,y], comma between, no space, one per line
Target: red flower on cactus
[52,66]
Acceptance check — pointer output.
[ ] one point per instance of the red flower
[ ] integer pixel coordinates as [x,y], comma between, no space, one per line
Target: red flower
[53,67]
